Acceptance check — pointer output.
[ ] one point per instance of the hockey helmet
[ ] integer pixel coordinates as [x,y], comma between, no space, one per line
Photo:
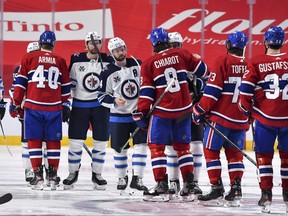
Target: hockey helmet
[96,36]
[158,35]
[48,37]
[175,37]
[274,36]
[115,43]
[33,46]
[237,39]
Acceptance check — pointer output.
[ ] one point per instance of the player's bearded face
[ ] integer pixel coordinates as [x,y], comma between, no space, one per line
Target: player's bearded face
[120,53]
[91,48]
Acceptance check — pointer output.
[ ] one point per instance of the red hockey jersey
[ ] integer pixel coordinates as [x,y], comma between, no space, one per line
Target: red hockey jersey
[158,71]
[44,78]
[221,93]
[267,80]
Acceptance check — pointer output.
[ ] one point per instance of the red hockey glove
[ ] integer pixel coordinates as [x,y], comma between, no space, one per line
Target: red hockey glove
[198,114]
[141,121]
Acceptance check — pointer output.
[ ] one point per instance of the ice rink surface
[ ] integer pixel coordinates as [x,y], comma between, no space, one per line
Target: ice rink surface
[83,200]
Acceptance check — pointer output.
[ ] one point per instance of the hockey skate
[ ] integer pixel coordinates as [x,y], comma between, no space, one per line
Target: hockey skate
[38,180]
[215,196]
[285,198]
[57,182]
[235,194]
[99,183]
[188,186]
[159,193]
[69,182]
[174,189]
[196,190]
[136,185]
[29,175]
[122,184]
[265,200]
[53,178]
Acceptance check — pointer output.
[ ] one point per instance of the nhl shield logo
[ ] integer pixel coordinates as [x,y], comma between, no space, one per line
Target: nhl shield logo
[130,89]
[91,82]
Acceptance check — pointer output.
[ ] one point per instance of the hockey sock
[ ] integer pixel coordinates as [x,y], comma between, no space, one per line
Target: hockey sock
[213,165]
[121,163]
[25,156]
[172,163]
[284,169]
[35,153]
[185,158]
[74,154]
[265,170]
[196,148]
[53,153]
[139,159]
[158,161]
[235,163]
[98,156]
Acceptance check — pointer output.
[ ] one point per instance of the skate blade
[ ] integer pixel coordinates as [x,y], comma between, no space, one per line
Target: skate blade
[99,187]
[266,208]
[235,203]
[122,192]
[213,203]
[38,186]
[68,187]
[189,198]
[53,185]
[135,192]
[286,203]
[160,198]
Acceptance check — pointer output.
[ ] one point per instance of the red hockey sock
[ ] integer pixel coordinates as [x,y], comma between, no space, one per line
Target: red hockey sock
[53,153]
[35,153]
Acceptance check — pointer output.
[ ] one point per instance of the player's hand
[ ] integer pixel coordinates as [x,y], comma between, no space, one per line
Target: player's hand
[120,101]
[66,111]
[16,111]
[2,108]
[247,112]
[141,121]
[198,114]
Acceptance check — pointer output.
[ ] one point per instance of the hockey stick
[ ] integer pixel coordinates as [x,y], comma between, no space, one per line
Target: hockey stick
[5,198]
[150,111]
[2,129]
[254,148]
[230,142]
[97,50]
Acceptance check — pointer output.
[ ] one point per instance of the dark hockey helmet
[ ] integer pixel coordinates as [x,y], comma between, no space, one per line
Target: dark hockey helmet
[237,39]
[158,35]
[274,36]
[48,37]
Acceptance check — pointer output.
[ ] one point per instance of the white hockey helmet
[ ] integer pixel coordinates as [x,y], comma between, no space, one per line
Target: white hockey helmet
[33,46]
[175,37]
[115,43]
[96,36]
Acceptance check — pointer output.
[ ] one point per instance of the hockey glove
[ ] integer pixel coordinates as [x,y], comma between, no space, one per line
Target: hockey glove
[16,111]
[141,121]
[198,114]
[2,109]
[244,110]
[66,111]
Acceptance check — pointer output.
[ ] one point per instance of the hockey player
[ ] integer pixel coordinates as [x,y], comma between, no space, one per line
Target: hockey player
[219,103]
[85,68]
[167,68]
[197,133]
[120,91]
[44,80]
[263,95]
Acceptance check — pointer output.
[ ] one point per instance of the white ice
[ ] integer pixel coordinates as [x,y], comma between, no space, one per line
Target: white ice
[83,200]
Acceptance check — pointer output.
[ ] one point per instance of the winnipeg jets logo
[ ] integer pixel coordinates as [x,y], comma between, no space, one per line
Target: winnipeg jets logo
[81,68]
[117,79]
[130,89]
[91,82]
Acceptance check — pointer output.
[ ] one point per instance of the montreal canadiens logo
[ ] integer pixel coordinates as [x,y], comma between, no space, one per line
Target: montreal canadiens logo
[129,89]
[91,82]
